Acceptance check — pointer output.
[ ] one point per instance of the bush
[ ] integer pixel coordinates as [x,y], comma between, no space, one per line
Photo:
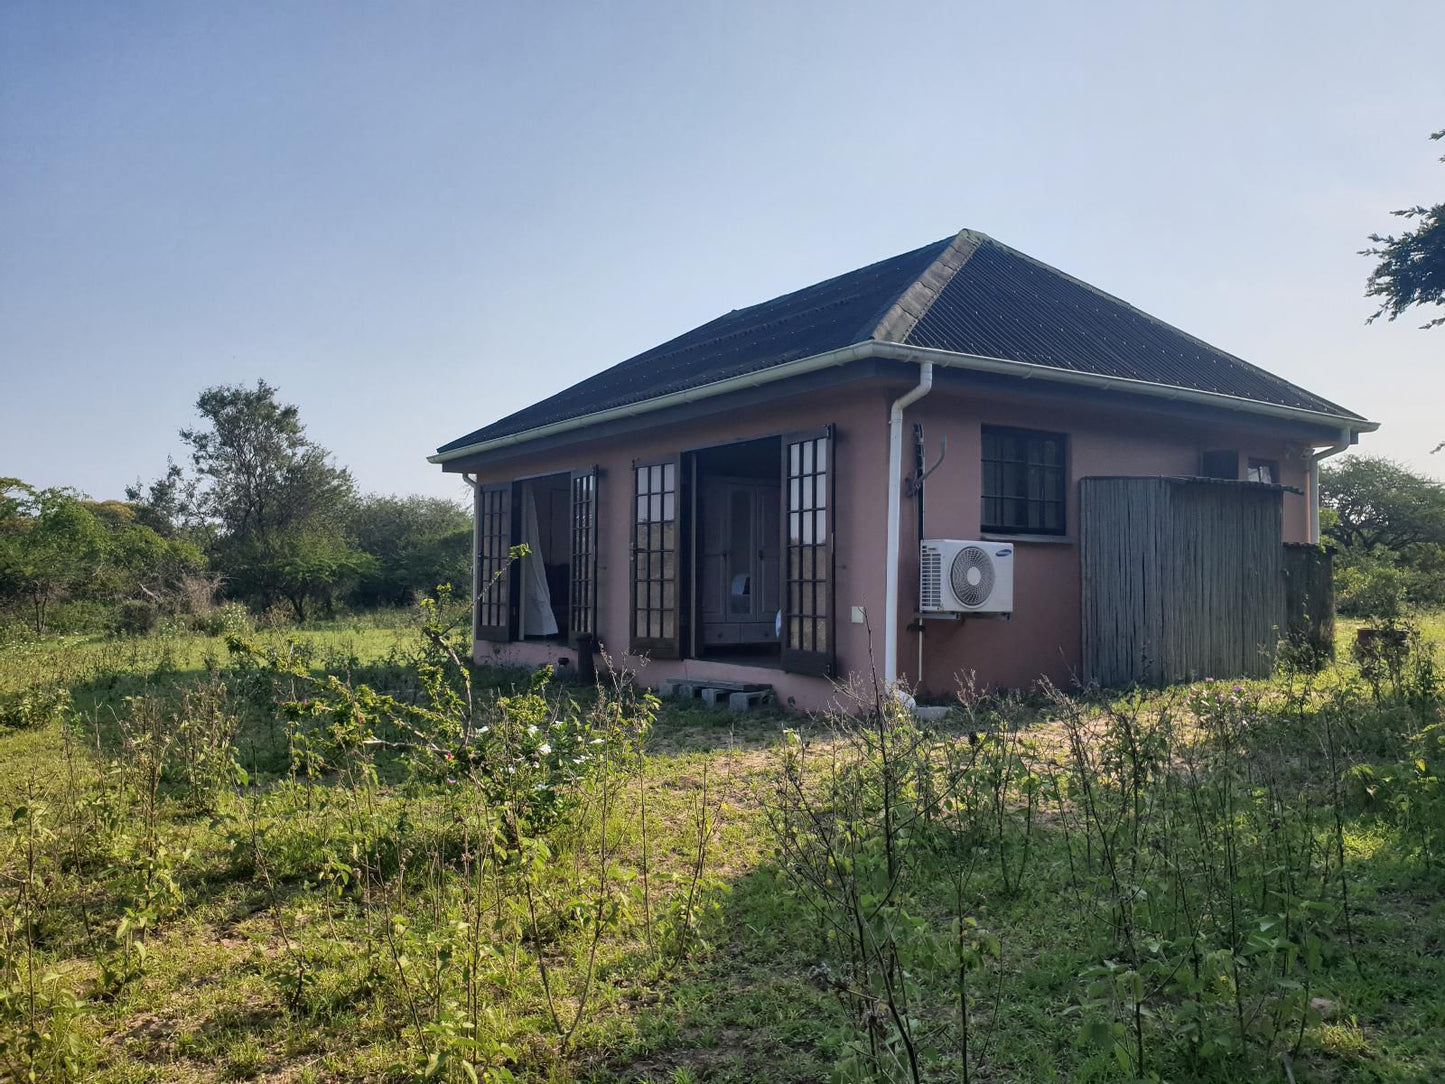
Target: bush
[134,617]
[232,619]
[1370,588]
[32,708]
[78,616]
[276,616]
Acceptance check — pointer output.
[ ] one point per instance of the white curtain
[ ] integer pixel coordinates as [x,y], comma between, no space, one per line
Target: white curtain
[537,617]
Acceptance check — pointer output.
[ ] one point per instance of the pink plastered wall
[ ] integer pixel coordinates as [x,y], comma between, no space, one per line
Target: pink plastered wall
[859,414]
[1042,637]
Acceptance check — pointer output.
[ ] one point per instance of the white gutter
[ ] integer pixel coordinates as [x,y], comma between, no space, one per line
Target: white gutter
[895,487]
[1312,485]
[918,355]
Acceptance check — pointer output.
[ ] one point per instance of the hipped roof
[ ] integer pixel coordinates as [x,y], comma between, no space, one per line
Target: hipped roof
[968,295]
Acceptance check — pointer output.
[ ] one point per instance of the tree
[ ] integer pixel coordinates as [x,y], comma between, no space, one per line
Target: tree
[269,492]
[417,543]
[51,545]
[1411,268]
[259,474]
[311,566]
[1388,524]
[56,544]
[1377,502]
[168,505]
[143,562]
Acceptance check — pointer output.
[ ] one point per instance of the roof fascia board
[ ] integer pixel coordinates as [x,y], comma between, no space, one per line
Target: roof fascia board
[1029,371]
[892,351]
[859,373]
[999,389]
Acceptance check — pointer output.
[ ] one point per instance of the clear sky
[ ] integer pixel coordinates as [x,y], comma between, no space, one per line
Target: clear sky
[417,217]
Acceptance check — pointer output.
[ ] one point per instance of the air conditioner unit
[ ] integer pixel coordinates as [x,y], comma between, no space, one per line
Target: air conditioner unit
[966,577]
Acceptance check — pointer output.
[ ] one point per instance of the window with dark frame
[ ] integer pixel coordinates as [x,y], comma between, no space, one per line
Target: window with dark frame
[1262,470]
[1024,479]
[654,553]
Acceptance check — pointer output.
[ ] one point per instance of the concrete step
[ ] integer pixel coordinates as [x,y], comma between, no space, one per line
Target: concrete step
[716,692]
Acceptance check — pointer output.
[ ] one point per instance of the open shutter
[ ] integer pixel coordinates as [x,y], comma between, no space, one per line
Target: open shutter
[656,609]
[493,580]
[808,614]
[582,597]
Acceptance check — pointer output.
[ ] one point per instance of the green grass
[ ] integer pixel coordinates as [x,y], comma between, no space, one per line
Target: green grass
[218,999]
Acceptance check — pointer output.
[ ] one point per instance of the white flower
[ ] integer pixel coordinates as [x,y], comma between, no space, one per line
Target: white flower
[531,730]
[544,748]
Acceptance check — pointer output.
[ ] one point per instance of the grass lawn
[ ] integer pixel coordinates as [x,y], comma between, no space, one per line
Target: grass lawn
[200,886]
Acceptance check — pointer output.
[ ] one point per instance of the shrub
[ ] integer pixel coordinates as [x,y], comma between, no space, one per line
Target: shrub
[232,619]
[34,707]
[1370,589]
[134,617]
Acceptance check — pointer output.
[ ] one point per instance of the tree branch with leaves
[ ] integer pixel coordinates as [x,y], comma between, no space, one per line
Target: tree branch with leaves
[1411,268]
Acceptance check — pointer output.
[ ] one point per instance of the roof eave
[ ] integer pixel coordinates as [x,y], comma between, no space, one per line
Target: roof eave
[894,351]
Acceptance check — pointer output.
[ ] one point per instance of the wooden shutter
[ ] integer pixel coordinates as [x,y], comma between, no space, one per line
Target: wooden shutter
[492,578]
[656,599]
[582,588]
[808,614]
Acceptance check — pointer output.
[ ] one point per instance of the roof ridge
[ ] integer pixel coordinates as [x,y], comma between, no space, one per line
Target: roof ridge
[1160,322]
[900,318]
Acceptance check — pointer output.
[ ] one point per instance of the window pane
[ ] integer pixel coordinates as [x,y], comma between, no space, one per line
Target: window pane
[1023,480]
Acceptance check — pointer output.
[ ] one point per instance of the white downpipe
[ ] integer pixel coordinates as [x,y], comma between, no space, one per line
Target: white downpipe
[895,501]
[1312,485]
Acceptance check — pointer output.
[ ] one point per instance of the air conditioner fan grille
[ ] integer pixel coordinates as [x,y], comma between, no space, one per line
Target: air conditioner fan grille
[971,590]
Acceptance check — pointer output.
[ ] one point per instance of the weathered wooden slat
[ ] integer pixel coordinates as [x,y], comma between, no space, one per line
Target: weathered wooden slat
[1182,579]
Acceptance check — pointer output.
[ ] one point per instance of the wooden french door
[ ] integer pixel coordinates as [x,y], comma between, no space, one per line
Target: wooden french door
[491,605]
[656,580]
[582,581]
[807,544]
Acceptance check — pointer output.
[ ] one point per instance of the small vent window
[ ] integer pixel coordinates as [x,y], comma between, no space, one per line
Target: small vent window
[1024,474]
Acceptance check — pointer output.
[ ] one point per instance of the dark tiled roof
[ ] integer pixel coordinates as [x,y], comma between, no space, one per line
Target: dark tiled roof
[839,312]
[1003,304]
[967,294]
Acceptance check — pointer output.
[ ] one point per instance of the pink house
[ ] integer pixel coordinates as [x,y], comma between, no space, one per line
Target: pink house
[747,502]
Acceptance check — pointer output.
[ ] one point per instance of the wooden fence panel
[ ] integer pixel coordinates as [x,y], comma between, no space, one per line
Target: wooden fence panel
[1182,579]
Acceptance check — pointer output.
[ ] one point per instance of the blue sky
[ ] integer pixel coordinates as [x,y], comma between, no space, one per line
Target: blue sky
[415,218]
